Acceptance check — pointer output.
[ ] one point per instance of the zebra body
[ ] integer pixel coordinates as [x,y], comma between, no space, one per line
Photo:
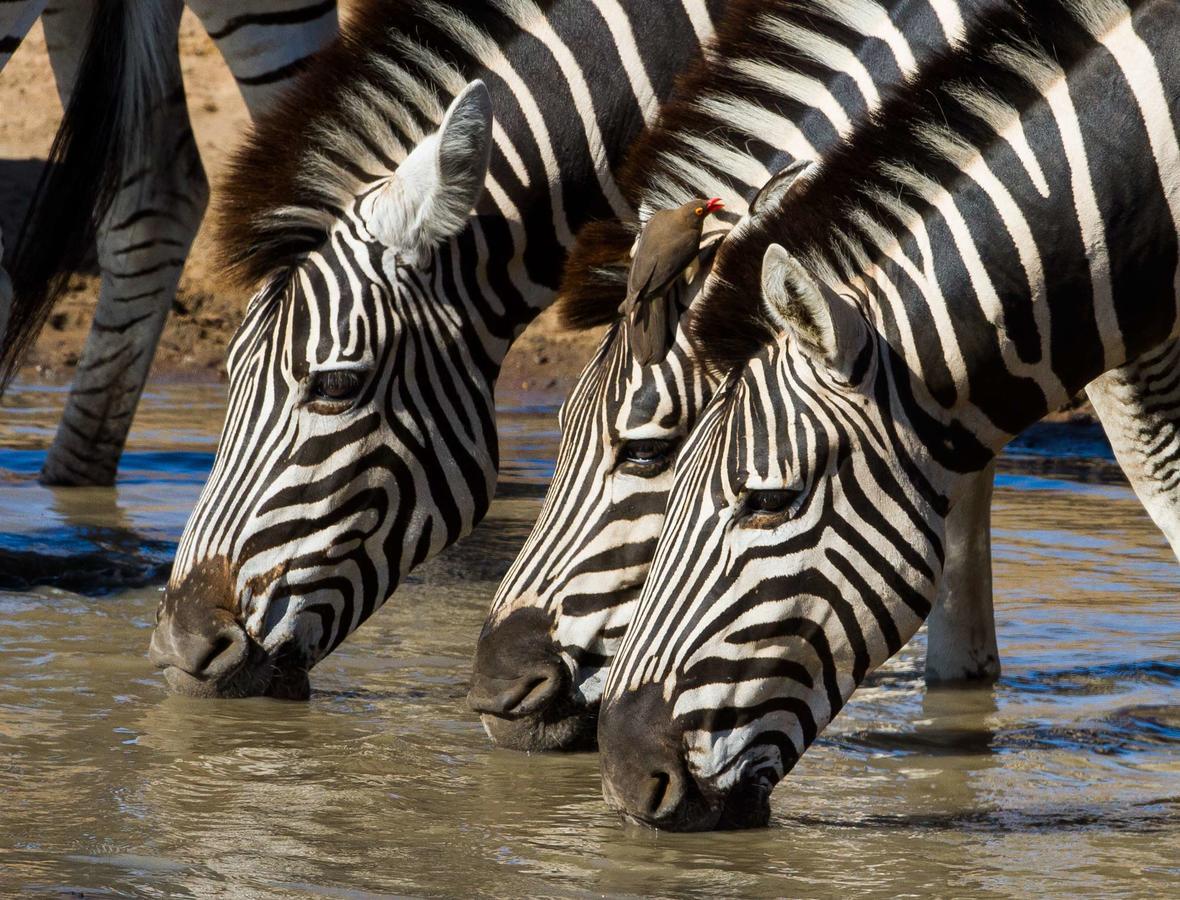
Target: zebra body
[154,213]
[931,289]
[406,212]
[561,610]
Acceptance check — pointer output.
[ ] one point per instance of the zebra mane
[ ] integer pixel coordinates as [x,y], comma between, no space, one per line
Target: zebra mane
[862,194]
[353,115]
[711,135]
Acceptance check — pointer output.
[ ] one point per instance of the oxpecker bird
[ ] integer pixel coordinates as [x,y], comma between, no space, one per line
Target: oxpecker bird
[667,247]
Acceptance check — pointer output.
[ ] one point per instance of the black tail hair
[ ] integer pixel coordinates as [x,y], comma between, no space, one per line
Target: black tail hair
[119,87]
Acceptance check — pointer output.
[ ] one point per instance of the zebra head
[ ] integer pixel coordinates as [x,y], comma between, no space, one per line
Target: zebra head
[562,608]
[359,436]
[802,547]
[561,611]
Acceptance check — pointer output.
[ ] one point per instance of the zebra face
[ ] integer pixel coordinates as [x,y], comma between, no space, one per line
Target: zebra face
[559,614]
[356,443]
[798,554]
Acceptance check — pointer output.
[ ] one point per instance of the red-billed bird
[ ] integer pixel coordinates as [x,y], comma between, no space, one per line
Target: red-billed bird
[667,246]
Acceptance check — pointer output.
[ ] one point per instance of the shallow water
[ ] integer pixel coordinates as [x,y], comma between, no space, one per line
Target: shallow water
[1064,780]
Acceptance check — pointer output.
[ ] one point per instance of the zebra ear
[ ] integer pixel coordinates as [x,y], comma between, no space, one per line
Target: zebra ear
[777,185]
[433,191]
[828,327]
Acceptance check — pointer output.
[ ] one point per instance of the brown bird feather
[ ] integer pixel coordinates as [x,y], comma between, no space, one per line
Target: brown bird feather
[666,247]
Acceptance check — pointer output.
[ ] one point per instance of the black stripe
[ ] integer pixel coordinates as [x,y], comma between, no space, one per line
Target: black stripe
[279,74]
[283,17]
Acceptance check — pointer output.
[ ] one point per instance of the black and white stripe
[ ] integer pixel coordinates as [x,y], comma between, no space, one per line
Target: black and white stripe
[1005,232]
[360,434]
[781,83]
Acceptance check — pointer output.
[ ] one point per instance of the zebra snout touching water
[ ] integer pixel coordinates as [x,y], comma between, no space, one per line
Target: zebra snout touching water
[317,546]
[936,286]
[401,216]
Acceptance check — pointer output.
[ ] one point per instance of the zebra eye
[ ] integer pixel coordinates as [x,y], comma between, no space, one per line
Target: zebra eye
[647,457]
[334,386]
[768,507]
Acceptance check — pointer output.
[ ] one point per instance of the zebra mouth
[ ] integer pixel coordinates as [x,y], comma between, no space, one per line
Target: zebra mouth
[562,726]
[702,808]
[259,674]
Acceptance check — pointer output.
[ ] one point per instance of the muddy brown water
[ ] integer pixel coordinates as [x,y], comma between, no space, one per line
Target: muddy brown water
[1062,781]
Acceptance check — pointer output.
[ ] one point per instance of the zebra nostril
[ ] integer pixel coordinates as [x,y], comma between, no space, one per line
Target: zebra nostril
[537,692]
[218,657]
[518,670]
[657,792]
[522,696]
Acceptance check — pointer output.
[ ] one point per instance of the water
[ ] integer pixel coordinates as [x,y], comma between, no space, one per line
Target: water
[1063,781]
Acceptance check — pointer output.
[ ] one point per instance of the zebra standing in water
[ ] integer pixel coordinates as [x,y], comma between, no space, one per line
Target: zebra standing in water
[401,236]
[782,81]
[929,291]
[125,155]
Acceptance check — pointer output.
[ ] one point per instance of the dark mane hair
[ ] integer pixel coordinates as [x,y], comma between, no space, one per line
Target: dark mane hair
[654,173]
[1006,56]
[347,121]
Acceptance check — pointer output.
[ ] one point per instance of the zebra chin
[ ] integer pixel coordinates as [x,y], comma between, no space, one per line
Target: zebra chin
[523,689]
[205,652]
[646,776]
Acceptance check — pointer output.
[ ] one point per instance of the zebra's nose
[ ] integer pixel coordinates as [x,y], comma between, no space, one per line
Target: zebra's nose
[644,773]
[210,648]
[518,670]
[522,696]
[197,640]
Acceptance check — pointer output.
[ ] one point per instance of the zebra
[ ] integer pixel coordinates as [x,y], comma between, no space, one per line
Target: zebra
[125,163]
[360,437]
[561,610]
[925,293]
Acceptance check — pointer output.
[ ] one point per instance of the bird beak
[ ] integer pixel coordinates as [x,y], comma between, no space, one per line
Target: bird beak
[713,205]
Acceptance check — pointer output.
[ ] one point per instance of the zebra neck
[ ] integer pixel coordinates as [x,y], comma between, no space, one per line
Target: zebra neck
[1051,256]
[565,120]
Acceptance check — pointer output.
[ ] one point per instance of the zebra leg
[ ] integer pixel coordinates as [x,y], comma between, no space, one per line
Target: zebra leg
[1139,405]
[142,245]
[15,21]
[266,43]
[961,630]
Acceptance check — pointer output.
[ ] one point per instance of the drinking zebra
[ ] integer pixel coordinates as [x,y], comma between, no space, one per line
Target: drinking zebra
[1003,233]
[783,81]
[401,236]
[125,164]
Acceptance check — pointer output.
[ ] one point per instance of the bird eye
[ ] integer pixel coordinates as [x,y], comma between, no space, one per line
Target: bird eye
[699,210]
[768,508]
[336,387]
[646,457]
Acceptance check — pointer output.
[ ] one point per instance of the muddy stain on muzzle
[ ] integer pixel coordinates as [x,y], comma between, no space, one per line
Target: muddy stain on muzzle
[205,652]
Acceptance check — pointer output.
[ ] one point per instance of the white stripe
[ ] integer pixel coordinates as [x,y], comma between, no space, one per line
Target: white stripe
[620,28]
[1138,64]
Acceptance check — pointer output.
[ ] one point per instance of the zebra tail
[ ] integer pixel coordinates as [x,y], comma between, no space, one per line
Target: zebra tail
[105,130]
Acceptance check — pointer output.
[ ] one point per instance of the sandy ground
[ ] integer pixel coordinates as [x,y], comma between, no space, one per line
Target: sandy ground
[205,314]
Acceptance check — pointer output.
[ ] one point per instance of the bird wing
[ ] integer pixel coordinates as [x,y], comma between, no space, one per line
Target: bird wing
[647,329]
